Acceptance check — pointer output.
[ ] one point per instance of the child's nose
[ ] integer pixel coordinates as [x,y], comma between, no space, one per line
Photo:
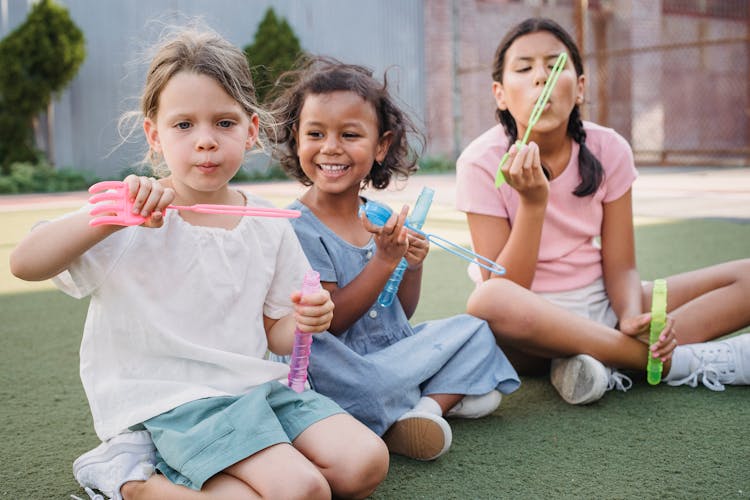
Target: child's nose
[206,142]
[540,75]
[330,145]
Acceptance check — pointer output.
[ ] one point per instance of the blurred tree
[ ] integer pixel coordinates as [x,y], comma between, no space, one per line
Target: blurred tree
[274,50]
[38,59]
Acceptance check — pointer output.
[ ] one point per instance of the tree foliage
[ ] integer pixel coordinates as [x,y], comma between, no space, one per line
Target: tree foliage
[38,59]
[275,49]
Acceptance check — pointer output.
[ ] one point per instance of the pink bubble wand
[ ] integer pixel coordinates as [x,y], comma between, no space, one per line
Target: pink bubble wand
[113,198]
[302,340]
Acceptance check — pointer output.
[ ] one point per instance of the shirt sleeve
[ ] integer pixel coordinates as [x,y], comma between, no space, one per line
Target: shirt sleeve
[290,268]
[315,248]
[475,180]
[88,271]
[619,168]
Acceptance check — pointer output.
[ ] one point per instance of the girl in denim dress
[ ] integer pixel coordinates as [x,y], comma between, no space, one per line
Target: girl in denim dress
[341,133]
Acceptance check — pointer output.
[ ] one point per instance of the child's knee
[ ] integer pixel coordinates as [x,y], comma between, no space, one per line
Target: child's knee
[307,483]
[360,473]
[500,302]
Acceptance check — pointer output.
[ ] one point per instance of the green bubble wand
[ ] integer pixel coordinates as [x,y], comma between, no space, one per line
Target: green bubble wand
[541,102]
[658,321]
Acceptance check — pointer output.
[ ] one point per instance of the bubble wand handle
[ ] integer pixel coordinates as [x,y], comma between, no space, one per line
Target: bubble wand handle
[536,112]
[415,220]
[658,321]
[300,358]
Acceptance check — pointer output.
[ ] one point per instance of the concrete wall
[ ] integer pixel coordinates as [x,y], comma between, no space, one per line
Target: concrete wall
[377,34]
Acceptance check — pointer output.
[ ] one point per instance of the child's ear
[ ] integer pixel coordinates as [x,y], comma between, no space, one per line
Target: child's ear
[252,132]
[152,135]
[295,134]
[580,89]
[384,143]
[499,93]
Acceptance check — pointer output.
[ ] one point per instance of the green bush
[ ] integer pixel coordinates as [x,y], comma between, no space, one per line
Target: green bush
[26,177]
[38,59]
[274,50]
[273,172]
[436,164]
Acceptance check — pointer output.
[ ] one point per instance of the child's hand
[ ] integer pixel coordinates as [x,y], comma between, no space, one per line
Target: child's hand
[417,251]
[639,327]
[391,239]
[150,198]
[314,312]
[523,172]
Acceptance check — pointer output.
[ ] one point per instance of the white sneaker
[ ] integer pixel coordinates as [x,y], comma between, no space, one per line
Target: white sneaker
[476,406]
[712,363]
[419,435]
[583,379]
[125,457]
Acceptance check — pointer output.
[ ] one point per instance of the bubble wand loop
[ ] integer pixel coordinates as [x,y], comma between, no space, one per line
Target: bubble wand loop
[536,112]
[379,214]
[658,321]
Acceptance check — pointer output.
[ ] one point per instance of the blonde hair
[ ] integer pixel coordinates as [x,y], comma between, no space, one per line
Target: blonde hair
[203,53]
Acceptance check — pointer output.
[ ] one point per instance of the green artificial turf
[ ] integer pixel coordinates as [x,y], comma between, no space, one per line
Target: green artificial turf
[649,442]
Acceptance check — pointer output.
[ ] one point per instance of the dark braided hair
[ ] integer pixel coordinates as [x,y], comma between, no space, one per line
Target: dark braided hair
[323,75]
[589,166]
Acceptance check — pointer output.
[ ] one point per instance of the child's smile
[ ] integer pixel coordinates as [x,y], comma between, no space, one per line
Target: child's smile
[333,170]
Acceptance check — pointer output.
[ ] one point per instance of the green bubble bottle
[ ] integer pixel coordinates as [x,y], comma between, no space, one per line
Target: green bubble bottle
[658,320]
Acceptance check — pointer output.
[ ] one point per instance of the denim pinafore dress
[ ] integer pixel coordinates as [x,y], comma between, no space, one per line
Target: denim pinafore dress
[381,366]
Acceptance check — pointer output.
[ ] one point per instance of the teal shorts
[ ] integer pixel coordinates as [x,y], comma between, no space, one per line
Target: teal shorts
[199,439]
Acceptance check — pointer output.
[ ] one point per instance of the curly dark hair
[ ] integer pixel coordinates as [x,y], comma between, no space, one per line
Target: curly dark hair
[589,166]
[323,75]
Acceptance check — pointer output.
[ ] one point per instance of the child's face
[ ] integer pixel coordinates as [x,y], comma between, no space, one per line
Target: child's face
[201,131]
[528,63]
[338,140]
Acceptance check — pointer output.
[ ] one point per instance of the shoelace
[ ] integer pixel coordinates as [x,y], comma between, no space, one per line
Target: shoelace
[715,369]
[619,381]
[91,494]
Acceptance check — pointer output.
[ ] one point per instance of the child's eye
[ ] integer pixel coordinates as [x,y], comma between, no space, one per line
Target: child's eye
[350,135]
[225,123]
[314,134]
[523,70]
[183,125]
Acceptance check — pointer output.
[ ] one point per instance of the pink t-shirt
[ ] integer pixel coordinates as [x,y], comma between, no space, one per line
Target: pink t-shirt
[569,255]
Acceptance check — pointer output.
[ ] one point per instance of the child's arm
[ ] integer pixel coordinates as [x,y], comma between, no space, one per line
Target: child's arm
[51,247]
[622,280]
[621,276]
[516,249]
[357,297]
[312,314]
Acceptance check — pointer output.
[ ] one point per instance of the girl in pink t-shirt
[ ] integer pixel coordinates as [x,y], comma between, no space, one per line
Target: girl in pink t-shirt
[562,226]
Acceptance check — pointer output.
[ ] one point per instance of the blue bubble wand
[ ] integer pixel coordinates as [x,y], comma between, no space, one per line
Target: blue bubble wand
[379,214]
[416,219]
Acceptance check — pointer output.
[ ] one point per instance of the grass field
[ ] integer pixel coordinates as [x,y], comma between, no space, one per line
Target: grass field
[649,442]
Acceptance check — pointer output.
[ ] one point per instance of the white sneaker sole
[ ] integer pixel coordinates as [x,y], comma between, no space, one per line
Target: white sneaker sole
[580,379]
[419,435]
